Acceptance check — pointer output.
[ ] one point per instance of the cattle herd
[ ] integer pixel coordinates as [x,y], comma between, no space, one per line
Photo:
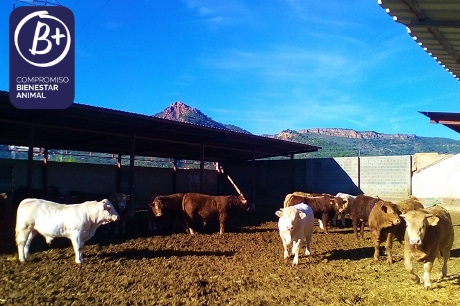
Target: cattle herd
[427,233]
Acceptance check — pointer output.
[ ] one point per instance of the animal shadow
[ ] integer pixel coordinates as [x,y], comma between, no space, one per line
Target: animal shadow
[139,254]
[354,254]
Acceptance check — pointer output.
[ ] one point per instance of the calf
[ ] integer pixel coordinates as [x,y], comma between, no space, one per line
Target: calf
[295,224]
[201,208]
[429,234]
[359,213]
[347,204]
[324,206]
[78,222]
[383,221]
[167,208]
[122,204]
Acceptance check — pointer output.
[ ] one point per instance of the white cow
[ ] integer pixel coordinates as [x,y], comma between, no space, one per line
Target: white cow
[78,222]
[347,204]
[429,234]
[295,224]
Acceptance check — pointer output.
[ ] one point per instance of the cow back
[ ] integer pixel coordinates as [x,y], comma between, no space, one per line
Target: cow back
[362,206]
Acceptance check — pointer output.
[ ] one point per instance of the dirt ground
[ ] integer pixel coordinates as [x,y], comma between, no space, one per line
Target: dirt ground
[242,267]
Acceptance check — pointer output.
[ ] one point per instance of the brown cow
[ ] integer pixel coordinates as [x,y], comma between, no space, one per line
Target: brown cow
[201,207]
[429,234]
[122,204]
[324,206]
[359,213]
[167,208]
[383,221]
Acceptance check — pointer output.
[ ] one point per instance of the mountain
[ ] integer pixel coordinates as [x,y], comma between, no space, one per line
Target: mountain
[335,142]
[181,112]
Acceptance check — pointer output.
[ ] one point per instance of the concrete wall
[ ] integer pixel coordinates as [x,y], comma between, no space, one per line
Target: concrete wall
[441,180]
[386,176]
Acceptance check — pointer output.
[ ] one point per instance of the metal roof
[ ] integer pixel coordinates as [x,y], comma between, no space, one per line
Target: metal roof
[94,129]
[434,24]
[450,120]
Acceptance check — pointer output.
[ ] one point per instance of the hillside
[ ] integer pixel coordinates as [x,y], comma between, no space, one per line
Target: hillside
[181,112]
[335,142]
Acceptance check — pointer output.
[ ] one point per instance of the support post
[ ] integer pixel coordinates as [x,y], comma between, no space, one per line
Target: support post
[202,168]
[30,155]
[45,169]
[131,165]
[118,174]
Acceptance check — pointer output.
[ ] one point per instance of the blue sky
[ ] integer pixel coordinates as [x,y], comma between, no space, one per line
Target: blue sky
[264,66]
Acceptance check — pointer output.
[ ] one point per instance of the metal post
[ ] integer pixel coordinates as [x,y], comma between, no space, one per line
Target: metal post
[30,155]
[131,165]
[45,169]
[202,168]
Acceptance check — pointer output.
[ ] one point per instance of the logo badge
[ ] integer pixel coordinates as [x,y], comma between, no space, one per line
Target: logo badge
[42,57]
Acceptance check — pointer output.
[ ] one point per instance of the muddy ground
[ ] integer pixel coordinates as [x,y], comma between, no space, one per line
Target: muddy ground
[242,267]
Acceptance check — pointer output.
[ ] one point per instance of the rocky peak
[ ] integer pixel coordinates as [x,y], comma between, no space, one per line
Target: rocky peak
[348,133]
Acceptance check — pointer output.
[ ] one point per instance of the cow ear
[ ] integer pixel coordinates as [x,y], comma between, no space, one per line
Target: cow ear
[302,215]
[384,208]
[106,204]
[432,220]
[279,213]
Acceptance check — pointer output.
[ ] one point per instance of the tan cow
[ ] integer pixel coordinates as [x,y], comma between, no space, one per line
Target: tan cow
[429,234]
[383,222]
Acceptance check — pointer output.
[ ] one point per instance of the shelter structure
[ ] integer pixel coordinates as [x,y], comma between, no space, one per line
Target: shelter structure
[94,129]
[435,25]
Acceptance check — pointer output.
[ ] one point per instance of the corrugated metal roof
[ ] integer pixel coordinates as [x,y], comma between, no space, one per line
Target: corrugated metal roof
[95,129]
[450,120]
[434,24]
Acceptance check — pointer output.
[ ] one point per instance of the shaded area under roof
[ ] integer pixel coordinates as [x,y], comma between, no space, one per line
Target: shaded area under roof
[94,129]
[450,120]
[434,24]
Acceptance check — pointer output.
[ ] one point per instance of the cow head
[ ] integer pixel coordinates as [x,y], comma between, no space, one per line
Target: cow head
[107,212]
[157,207]
[337,204]
[120,201]
[388,213]
[417,222]
[288,217]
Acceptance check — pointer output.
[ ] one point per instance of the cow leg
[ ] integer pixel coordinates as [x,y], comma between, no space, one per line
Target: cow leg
[308,243]
[285,248]
[408,265]
[427,266]
[362,230]
[389,247]
[342,218]
[445,257]
[295,251]
[321,225]
[222,222]
[116,225]
[376,242]
[355,227]
[152,224]
[123,226]
[77,245]
[325,220]
[23,240]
